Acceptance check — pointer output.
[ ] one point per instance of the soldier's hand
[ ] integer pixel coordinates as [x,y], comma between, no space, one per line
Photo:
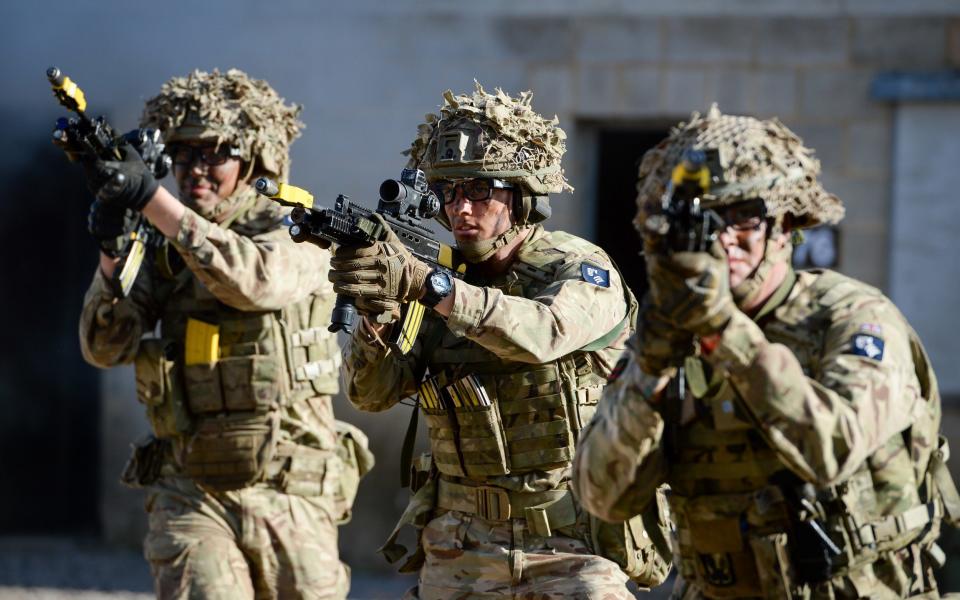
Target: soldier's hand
[380,276]
[127,183]
[661,346]
[109,225]
[692,289]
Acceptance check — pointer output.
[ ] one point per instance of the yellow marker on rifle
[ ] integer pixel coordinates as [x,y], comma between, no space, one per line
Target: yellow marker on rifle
[67,92]
[692,168]
[284,193]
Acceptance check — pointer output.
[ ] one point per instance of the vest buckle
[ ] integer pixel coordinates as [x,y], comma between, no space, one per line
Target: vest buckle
[493,504]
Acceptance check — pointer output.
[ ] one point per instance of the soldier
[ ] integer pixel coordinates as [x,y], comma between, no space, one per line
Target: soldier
[508,365]
[248,474]
[804,459]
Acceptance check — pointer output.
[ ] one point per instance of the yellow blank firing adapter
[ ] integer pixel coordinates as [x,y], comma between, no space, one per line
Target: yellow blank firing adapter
[692,168]
[284,193]
[67,92]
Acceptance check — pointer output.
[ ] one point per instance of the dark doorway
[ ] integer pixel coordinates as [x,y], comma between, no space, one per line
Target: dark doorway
[48,395]
[619,150]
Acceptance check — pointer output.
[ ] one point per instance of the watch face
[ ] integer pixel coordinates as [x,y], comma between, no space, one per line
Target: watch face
[440,283]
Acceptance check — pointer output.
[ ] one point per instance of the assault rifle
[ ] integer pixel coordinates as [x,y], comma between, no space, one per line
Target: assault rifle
[682,224]
[404,205]
[83,139]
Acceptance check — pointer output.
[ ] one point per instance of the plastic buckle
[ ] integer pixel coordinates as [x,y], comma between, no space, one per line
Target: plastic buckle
[493,503]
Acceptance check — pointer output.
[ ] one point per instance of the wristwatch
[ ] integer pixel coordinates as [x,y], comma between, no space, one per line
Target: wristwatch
[437,287]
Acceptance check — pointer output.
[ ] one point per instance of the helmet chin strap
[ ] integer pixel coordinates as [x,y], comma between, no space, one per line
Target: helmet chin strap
[479,251]
[746,293]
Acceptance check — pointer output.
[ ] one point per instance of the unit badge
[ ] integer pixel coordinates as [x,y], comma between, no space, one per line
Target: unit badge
[864,344]
[595,275]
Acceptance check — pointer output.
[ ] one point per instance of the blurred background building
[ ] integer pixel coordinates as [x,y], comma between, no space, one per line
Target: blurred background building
[872,85]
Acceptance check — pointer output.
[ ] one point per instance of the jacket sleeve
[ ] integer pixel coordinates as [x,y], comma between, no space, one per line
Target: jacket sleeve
[566,316]
[824,424]
[111,328]
[376,378]
[264,272]
[619,462]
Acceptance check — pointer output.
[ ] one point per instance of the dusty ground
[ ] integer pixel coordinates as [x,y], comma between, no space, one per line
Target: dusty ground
[77,569]
[69,569]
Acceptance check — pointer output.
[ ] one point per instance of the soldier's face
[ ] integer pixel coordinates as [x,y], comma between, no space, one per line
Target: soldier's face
[204,178]
[744,249]
[480,220]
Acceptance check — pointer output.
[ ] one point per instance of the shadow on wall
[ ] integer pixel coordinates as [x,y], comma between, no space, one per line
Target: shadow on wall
[48,395]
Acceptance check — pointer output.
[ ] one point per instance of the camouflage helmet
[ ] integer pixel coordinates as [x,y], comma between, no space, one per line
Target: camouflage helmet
[231,108]
[749,158]
[493,135]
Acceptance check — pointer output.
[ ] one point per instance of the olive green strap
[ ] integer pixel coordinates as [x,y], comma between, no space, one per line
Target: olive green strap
[409,439]
[944,482]
[241,210]
[778,296]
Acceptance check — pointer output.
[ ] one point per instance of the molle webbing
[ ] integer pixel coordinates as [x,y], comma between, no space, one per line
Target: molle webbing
[521,426]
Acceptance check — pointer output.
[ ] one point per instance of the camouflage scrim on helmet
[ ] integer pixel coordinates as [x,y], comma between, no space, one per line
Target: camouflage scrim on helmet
[756,159]
[232,108]
[492,135]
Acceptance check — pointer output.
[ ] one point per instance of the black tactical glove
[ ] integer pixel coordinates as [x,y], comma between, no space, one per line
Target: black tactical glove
[111,225]
[127,183]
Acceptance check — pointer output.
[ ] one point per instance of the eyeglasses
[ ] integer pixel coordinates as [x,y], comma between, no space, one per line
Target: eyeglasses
[744,216]
[184,155]
[474,190]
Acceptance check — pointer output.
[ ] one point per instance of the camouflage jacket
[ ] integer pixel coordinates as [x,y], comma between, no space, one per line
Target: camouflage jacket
[830,385]
[515,322]
[252,266]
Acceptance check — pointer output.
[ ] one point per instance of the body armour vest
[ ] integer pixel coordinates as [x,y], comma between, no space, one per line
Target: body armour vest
[748,527]
[218,380]
[514,424]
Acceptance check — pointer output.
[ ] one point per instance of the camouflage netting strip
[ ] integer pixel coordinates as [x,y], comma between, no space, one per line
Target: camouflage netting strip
[231,107]
[518,143]
[761,159]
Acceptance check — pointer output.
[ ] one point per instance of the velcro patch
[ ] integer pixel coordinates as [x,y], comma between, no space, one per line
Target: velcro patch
[595,275]
[864,344]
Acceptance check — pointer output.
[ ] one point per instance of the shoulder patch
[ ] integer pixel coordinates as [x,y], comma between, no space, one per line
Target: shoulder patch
[864,344]
[595,275]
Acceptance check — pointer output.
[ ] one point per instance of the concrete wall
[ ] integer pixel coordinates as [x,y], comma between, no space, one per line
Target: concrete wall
[924,221]
[367,72]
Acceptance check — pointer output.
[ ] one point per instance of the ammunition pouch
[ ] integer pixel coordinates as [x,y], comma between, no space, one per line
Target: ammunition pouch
[639,546]
[419,511]
[484,426]
[355,460]
[159,378]
[234,384]
[230,451]
[144,466]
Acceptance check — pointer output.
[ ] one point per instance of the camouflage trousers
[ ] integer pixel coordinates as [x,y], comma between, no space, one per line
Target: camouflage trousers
[895,575]
[255,542]
[470,558]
